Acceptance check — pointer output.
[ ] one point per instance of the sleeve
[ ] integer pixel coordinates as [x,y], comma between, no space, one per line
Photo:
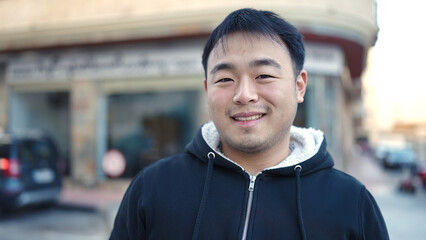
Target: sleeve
[372,225]
[129,222]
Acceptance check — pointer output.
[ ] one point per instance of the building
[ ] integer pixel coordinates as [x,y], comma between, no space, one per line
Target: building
[127,75]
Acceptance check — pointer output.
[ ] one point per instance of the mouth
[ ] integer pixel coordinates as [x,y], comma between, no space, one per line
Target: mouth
[248,118]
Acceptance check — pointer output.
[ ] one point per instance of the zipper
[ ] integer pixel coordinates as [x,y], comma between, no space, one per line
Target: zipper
[249,203]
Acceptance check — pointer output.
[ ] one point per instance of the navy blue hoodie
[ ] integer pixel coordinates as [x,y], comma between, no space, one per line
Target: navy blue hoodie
[201,194]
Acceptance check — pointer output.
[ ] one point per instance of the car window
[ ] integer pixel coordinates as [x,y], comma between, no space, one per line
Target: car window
[4,150]
[35,150]
[403,155]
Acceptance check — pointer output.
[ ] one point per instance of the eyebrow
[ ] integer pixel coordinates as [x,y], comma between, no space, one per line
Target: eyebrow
[254,63]
[265,62]
[222,66]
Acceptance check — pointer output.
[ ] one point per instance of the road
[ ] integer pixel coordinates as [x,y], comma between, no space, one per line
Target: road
[405,215]
[53,223]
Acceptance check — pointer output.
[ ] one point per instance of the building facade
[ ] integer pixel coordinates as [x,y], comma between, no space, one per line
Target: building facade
[127,75]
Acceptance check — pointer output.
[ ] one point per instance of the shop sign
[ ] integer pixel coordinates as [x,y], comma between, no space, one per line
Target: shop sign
[324,59]
[105,63]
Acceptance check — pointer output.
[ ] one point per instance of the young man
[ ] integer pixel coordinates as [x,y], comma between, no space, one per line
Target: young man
[250,174]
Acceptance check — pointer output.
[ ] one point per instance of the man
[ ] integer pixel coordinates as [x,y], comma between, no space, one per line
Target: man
[250,174]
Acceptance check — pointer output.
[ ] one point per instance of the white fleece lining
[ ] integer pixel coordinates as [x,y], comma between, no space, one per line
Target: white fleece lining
[305,142]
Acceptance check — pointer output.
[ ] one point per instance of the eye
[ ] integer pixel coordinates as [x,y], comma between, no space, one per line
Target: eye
[223,80]
[264,76]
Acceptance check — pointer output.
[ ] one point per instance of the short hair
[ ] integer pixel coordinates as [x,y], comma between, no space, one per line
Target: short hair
[264,22]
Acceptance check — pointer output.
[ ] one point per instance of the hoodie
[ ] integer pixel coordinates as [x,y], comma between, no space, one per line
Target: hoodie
[202,194]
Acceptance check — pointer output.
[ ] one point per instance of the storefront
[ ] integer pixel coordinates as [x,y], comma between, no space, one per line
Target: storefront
[143,99]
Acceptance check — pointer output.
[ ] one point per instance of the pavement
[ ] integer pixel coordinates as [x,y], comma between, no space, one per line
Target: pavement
[369,172]
[105,197]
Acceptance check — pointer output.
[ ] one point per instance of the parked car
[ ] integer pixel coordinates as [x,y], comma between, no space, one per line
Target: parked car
[30,170]
[380,152]
[399,157]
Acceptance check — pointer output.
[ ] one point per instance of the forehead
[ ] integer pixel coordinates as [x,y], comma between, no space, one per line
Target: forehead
[238,40]
[244,43]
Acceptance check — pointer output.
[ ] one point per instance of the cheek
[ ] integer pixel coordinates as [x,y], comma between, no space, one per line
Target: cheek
[216,103]
[283,100]
[218,99]
[276,96]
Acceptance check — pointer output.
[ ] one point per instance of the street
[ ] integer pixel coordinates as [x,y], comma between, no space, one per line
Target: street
[405,215]
[74,218]
[52,223]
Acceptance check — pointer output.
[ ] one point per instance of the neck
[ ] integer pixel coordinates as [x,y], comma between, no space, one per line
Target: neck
[254,163]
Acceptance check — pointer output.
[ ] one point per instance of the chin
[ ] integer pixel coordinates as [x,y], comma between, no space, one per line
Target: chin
[248,145]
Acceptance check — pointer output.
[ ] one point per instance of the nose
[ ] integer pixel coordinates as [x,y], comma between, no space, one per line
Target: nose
[246,92]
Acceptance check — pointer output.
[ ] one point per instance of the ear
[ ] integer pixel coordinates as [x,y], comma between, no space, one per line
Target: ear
[301,82]
[205,85]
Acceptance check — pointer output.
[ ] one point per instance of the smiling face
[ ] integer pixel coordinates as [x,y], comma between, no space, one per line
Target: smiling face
[252,93]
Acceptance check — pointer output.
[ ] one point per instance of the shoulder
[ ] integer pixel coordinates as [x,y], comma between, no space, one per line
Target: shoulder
[170,168]
[339,185]
[163,170]
[351,188]
[173,163]
[348,197]
[345,179]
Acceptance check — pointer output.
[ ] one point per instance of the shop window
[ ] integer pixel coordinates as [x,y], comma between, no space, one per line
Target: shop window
[149,126]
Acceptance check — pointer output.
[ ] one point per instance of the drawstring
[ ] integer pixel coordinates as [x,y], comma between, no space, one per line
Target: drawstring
[297,170]
[211,156]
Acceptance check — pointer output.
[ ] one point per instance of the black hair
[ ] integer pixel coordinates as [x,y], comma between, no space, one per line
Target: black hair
[267,23]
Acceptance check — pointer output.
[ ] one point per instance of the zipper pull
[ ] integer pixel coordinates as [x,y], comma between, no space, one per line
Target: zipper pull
[251,185]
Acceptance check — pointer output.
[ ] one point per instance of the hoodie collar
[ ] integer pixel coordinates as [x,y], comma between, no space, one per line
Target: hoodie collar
[305,143]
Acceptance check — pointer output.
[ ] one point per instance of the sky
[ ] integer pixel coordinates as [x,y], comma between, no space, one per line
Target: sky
[395,83]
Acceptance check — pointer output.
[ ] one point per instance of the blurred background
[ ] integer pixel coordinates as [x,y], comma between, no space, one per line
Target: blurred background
[93,91]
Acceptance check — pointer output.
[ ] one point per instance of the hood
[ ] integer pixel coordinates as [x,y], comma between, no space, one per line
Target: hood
[308,150]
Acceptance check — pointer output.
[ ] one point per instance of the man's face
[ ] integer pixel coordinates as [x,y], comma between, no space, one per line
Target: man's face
[252,93]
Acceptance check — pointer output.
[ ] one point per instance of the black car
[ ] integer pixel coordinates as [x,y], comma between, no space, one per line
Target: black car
[30,170]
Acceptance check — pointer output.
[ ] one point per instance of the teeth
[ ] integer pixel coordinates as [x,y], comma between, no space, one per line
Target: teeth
[248,118]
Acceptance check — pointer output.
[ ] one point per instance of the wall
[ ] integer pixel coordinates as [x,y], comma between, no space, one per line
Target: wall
[26,23]
[3,98]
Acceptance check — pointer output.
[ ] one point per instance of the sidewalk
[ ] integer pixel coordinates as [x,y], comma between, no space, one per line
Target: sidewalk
[371,174]
[104,198]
